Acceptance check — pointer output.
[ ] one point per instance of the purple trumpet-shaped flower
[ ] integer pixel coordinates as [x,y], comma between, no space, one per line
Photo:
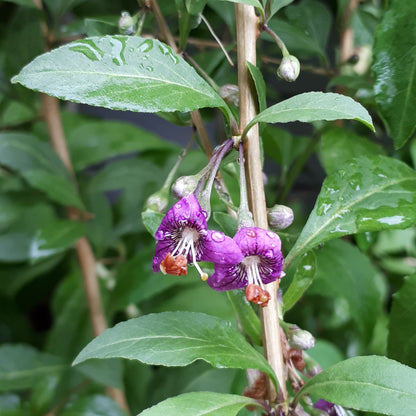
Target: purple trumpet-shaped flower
[183,238]
[261,263]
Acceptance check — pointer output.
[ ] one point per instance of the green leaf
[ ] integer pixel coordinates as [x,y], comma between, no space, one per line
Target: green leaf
[10,405]
[395,71]
[276,5]
[227,223]
[58,188]
[340,145]
[304,275]
[92,406]
[201,404]
[373,383]
[151,220]
[313,106]
[59,7]
[55,238]
[14,247]
[247,317]
[260,85]
[121,73]
[366,194]
[26,3]
[22,365]
[23,151]
[401,344]
[177,339]
[96,141]
[315,20]
[343,272]
[255,3]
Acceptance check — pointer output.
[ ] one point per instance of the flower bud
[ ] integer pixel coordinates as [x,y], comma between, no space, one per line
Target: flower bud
[158,201]
[280,217]
[289,68]
[299,338]
[184,186]
[229,93]
[126,24]
[312,368]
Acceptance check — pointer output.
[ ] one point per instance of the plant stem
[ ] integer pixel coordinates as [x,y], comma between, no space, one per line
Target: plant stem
[52,116]
[246,21]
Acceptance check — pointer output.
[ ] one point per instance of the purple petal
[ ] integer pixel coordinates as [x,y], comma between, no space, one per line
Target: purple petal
[257,241]
[227,277]
[163,247]
[324,405]
[220,249]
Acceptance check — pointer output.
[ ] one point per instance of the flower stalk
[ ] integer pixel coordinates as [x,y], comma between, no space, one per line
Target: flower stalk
[246,23]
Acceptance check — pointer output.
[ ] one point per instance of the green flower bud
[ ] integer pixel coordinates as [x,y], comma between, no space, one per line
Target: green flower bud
[158,201]
[280,217]
[229,93]
[126,24]
[299,338]
[184,186]
[289,68]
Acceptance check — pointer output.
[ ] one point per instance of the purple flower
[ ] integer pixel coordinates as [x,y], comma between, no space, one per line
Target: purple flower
[261,263]
[183,238]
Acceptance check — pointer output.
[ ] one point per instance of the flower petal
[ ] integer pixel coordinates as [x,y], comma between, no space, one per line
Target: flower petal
[220,249]
[227,277]
[257,241]
[163,247]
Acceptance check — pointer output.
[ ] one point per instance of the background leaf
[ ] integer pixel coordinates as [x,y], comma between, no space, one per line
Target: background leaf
[395,70]
[401,343]
[313,106]
[374,384]
[121,73]
[22,365]
[92,406]
[201,404]
[176,339]
[366,194]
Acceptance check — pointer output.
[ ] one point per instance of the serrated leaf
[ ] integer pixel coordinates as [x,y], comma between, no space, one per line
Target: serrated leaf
[22,365]
[395,71]
[55,238]
[303,278]
[401,344]
[176,339]
[373,384]
[201,404]
[121,73]
[314,106]
[367,194]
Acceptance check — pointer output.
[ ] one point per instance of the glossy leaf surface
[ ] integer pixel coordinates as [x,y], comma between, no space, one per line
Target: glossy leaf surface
[401,343]
[92,406]
[121,73]
[373,384]
[314,106]
[395,70]
[201,404]
[22,365]
[303,278]
[366,194]
[176,339]
[340,145]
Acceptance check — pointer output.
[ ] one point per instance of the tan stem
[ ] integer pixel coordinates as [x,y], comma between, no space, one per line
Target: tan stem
[347,34]
[247,31]
[86,258]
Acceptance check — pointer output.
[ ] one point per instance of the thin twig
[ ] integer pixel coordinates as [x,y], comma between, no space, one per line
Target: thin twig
[246,21]
[217,39]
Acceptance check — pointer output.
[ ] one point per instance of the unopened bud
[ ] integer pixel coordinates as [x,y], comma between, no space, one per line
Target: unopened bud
[158,201]
[280,217]
[289,68]
[184,186]
[299,338]
[126,24]
[229,93]
[312,368]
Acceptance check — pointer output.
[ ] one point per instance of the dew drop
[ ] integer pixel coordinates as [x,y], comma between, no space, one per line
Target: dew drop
[271,235]
[251,233]
[218,237]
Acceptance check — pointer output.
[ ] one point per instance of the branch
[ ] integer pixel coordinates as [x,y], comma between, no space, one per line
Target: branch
[246,21]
